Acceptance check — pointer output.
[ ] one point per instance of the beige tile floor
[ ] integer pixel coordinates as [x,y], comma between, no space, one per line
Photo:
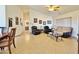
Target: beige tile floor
[42,44]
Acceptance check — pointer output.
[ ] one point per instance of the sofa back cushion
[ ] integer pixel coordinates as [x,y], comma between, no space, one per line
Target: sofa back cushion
[67,29]
[63,29]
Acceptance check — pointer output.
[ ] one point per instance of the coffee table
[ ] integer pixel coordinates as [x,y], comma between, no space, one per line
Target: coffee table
[57,35]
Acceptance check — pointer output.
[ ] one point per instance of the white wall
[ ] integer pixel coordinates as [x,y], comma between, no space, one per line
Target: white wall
[14,11]
[74,21]
[40,16]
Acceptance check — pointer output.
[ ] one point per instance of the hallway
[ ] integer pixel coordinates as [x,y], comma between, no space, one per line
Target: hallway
[42,44]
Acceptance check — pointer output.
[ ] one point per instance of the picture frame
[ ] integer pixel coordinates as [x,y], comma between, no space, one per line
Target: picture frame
[40,21]
[44,22]
[21,21]
[17,20]
[48,21]
[27,23]
[10,21]
[35,20]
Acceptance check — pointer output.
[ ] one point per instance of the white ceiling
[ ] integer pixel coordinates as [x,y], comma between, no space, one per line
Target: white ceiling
[63,9]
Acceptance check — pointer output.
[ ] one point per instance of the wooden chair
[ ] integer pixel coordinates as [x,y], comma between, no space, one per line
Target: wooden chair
[7,40]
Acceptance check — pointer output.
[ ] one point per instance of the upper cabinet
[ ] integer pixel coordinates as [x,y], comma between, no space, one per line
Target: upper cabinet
[2,16]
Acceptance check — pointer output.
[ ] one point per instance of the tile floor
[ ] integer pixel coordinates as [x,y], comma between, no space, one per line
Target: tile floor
[42,44]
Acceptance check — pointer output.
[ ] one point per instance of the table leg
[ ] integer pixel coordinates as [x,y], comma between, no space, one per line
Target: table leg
[56,38]
[61,39]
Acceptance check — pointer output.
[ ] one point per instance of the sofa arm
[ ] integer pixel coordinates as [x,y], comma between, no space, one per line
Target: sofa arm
[67,34]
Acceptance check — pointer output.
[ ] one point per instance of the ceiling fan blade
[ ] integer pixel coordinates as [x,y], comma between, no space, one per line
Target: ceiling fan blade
[57,7]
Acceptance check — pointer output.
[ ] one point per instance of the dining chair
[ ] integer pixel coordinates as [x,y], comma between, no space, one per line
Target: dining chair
[8,40]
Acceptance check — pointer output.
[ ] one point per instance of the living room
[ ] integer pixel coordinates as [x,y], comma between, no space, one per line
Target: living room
[39,30]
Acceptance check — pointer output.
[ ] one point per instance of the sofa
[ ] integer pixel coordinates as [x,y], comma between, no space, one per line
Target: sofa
[66,31]
[35,31]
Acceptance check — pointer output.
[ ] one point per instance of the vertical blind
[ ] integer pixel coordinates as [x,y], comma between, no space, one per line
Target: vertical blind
[64,22]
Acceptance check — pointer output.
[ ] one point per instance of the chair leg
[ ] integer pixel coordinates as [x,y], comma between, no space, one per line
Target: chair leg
[9,50]
[61,39]
[2,48]
[14,43]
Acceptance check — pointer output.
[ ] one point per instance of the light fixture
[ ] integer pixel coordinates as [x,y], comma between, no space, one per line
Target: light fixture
[53,8]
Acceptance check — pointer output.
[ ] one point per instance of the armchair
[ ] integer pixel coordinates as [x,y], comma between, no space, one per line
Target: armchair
[67,31]
[35,31]
[47,30]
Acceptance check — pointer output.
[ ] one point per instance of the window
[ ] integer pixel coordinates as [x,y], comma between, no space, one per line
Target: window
[64,22]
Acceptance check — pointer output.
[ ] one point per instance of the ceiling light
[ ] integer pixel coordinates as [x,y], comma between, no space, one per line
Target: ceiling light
[53,8]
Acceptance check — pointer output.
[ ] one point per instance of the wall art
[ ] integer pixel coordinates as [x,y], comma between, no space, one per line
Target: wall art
[10,22]
[35,20]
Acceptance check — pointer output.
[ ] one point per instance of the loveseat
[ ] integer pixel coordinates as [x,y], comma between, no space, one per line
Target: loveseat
[66,31]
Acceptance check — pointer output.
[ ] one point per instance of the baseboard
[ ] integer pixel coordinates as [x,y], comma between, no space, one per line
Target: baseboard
[74,37]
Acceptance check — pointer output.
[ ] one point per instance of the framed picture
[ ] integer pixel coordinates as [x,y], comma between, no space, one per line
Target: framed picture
[35,20]
[44,22]
[48,21]
[27,23]
[10,22]
[17,20]
[40,21]
[21,21]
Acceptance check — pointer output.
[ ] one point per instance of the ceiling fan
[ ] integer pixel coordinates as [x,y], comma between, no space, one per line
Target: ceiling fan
[53,8]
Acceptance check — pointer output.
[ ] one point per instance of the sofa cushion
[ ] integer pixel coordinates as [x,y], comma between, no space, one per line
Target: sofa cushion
[63,29]
[66,29]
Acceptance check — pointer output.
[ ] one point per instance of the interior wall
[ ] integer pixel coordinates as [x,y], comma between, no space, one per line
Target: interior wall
[40,16]
[14,11]
[74,20]
[25,12]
